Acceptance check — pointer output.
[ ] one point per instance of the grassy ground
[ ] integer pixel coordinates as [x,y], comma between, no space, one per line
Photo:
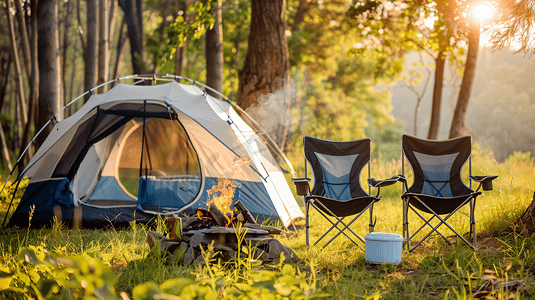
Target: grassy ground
[435,270]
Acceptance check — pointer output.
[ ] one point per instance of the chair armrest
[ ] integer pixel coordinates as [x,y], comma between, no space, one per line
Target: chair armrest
[386,182]
[302,186]
[484,181]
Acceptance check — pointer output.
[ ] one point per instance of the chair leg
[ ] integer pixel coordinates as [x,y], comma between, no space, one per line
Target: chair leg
[443,222]
[307,207]
[406,223]
[372,225]
[473,221]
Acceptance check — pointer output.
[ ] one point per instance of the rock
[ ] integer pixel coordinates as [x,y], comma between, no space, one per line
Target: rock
[188,256]
[261,255]
[275,249]
[271,230]
[196,239]
[259,240]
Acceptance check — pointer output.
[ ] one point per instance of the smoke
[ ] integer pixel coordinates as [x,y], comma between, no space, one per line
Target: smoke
[273,112]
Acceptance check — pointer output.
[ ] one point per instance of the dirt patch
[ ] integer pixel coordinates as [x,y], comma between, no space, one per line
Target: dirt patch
[489,245]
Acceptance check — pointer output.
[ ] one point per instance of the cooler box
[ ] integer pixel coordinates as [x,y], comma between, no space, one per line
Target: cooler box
[383,248]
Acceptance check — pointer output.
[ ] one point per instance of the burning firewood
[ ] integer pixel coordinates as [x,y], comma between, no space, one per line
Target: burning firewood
[244,212]
[219,217]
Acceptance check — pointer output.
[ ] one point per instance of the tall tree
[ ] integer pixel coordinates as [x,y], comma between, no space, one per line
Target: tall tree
[67,11]
[444,34]
[459,114]
[428,25]
[104,44]
[214,51]
[267,67]
[15,55]
[49,66]
[133,10]
[91,45]
[24,37]
[34,84]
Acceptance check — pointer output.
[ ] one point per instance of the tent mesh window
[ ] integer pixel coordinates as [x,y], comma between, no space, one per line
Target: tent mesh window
[167,155]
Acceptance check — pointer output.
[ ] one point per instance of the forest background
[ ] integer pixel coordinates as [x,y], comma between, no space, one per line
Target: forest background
[340,69]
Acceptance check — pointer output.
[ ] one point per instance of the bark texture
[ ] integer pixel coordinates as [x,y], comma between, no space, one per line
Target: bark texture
[104,44]
[459,115]
[49,66]
[214,52]
[266,69]
[526,223]
[91,45]
[133,10]
[436,105]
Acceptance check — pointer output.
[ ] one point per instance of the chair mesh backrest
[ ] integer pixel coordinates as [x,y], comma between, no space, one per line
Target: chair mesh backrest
[437,165]
[337,166]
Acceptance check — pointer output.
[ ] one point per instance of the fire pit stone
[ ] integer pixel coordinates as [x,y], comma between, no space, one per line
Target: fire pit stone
[191,233]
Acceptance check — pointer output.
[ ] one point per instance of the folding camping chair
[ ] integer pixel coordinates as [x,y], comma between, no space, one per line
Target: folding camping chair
[337,191]
[438,188]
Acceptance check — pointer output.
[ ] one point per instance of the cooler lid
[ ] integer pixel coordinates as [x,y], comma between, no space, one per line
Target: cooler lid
[383,236]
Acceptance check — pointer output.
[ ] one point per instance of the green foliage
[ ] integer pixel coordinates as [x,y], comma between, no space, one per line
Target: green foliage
[46,276]
[211,282]
[43,275]
[179,31]
[182,29]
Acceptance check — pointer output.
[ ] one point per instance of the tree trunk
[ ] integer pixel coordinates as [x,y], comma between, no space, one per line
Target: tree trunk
[133,10]
[104,47]
[34,87]
[434,125]
[526,223]
[49,68]
[111,23]
[266,69]
[302,10]
[120,50]
[91,45]
[24,37]
[214,52]
[5,69]
[66,25]
[459,115]
[5,152]
[73,70]
[18,70]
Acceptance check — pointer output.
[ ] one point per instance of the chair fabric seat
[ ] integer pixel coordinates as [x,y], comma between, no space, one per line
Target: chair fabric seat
[440,205]
[342,208]
[337,192]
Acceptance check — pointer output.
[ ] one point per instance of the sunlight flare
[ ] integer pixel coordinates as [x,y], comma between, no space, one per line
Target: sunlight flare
[483,11]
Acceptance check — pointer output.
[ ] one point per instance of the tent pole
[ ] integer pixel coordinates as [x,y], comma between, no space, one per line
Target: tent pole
[142,141]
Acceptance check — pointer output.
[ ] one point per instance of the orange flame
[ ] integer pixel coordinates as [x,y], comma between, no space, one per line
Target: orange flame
[222,193]
[201,216]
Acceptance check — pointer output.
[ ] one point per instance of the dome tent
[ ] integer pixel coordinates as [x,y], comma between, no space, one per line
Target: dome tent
[137,151]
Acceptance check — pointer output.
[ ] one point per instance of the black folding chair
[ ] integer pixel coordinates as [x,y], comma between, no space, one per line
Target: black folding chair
[438,188]
[337,191]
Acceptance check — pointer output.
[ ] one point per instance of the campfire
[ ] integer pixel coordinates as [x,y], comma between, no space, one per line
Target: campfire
[218,229]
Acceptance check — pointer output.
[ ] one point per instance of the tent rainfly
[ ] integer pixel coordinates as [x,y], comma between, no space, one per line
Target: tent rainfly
[137,151]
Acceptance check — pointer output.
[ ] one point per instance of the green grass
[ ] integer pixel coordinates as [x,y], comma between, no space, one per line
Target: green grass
[435,270]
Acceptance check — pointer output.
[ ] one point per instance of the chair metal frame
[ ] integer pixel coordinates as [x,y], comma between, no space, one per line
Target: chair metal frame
[484,181]
[339,223]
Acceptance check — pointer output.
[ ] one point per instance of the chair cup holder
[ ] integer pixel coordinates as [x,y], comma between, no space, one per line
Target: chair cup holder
[487,185]
[301,188]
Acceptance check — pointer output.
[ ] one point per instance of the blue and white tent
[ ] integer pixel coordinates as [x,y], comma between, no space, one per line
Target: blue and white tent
[137,151]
